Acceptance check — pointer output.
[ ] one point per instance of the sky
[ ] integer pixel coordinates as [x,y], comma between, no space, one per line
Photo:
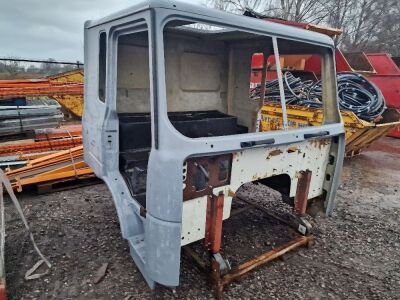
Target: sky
[42,29]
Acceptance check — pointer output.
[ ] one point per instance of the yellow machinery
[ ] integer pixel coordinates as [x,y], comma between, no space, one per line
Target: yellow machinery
[72,103]
[359,133]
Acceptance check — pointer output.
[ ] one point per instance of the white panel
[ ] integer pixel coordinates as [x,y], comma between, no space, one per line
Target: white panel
[253,164]
[196,74]
[194,218]
[194,64]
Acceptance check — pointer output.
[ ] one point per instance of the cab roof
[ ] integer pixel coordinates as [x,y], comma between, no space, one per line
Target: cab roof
[226,18]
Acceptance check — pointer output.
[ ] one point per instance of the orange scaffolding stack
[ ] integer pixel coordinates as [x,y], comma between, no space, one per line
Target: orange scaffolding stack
[46,141]
[38,87]
[58,133]
[39,147]
[61,166]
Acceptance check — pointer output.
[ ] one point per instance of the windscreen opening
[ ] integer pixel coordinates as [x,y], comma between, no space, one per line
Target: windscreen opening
[212,88]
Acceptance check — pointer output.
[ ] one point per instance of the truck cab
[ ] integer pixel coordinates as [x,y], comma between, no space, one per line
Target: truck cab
[169,124]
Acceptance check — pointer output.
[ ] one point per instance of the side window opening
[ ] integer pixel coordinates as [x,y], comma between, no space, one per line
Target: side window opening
[102,66]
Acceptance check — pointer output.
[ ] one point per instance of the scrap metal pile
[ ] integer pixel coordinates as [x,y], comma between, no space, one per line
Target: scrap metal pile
[355,93]
[20,115]
[45,141]
[54,156]
[60,166]
[28,104]
[49,154]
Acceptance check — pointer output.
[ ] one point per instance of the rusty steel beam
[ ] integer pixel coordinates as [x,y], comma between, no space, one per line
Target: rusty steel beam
[58,174]
[57,167]
[221,281]
[263,209]
[58,133]
[41,146]
[264,258]
[301,197]
[3,294]
[215,209]
[41,90]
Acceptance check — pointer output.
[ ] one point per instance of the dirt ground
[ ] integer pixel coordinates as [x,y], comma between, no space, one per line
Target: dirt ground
[356,253]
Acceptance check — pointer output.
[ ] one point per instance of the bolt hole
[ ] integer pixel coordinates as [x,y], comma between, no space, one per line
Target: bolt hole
[212,146]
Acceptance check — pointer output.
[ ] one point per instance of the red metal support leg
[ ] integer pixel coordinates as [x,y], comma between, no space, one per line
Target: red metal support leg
[303,187]
[3,294]
[215,209]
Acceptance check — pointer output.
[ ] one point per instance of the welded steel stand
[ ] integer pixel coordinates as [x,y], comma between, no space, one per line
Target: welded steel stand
[213,237]
[218,268]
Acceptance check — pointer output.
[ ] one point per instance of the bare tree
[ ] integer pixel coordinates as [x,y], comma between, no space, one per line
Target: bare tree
[340,16]
[293,10]
[368,25]
[239,6]
[12,68]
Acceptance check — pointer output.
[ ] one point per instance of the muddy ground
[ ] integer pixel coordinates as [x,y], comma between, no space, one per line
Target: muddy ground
[356,253]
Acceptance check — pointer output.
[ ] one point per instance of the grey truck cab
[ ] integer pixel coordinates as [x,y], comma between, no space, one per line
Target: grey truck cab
[169,124]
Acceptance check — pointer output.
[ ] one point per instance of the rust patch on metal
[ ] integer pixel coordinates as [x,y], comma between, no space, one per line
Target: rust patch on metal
[301,197]
[231,193]
[204,174]
[264,258]
[293,149]
[319,143]
[207,236]
[274,153]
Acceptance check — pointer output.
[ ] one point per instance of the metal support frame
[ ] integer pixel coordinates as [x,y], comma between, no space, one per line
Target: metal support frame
[215,210]
[303,187]
[220,278]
